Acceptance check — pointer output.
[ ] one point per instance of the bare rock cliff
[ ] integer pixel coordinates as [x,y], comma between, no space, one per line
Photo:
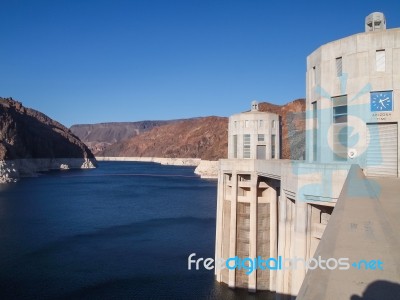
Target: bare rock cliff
[31,141]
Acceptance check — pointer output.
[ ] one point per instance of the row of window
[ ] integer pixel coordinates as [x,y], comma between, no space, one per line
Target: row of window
[339,123]
[380,101]
[248,123]
[261,149]
[380,65]
[246,146]
[315,126]
[374,25]
[339,107]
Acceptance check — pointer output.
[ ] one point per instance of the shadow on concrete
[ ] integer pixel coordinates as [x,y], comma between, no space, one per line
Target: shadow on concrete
[380,289]
[363,225]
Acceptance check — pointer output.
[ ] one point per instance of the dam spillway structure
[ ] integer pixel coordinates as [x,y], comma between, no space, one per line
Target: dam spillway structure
[275,208]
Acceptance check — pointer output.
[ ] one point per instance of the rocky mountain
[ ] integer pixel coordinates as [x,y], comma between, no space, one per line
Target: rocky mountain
[31,141]
[292,127]
[205,138]
[98,136]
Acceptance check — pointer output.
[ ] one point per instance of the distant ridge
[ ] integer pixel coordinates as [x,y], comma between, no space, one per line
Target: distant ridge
[99,136]
[204,138]
[207,137]
[293,127]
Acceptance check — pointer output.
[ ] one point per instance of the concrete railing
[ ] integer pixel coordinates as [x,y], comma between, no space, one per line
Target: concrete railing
[364,230]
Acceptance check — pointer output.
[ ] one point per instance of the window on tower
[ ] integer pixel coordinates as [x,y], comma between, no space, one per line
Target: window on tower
[246,146]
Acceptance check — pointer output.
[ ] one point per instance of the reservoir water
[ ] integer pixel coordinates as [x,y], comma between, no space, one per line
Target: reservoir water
[121,231]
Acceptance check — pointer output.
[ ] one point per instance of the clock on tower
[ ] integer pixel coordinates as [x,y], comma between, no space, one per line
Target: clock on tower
[381,101]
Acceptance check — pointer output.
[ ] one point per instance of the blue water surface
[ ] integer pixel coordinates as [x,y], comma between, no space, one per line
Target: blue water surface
[121,231]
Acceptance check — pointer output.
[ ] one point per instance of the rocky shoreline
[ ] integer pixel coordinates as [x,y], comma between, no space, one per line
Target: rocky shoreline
[12,170]
[204,168]
[208,169]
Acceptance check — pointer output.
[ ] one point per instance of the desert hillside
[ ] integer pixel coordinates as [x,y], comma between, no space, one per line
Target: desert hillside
[99,136]
[292,127]
[207,138]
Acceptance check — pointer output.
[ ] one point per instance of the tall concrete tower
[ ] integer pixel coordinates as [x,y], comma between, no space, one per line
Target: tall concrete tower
[254,135]
[247,201]
[360,77]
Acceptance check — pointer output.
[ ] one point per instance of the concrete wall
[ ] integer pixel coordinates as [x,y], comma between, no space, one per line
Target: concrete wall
[246,224]
[273,208]
[363,228]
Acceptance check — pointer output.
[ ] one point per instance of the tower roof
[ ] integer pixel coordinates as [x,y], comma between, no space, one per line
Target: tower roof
[375,21]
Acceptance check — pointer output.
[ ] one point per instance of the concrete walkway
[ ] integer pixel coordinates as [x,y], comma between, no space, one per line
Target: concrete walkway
[389,198]
[365,228]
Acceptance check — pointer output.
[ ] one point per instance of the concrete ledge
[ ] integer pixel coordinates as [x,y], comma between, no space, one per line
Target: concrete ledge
[363,226]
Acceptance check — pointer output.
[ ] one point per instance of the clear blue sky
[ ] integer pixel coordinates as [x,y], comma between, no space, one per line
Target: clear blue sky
[98,61]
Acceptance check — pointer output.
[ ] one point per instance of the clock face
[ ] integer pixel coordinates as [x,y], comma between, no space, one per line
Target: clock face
[381,101]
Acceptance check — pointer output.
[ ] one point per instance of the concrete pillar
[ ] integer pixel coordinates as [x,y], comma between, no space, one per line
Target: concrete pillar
[291,242]
[273,234]
[232,234]
[309,255]
[219,226]
[300,242]
[281,243]
[253,230]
